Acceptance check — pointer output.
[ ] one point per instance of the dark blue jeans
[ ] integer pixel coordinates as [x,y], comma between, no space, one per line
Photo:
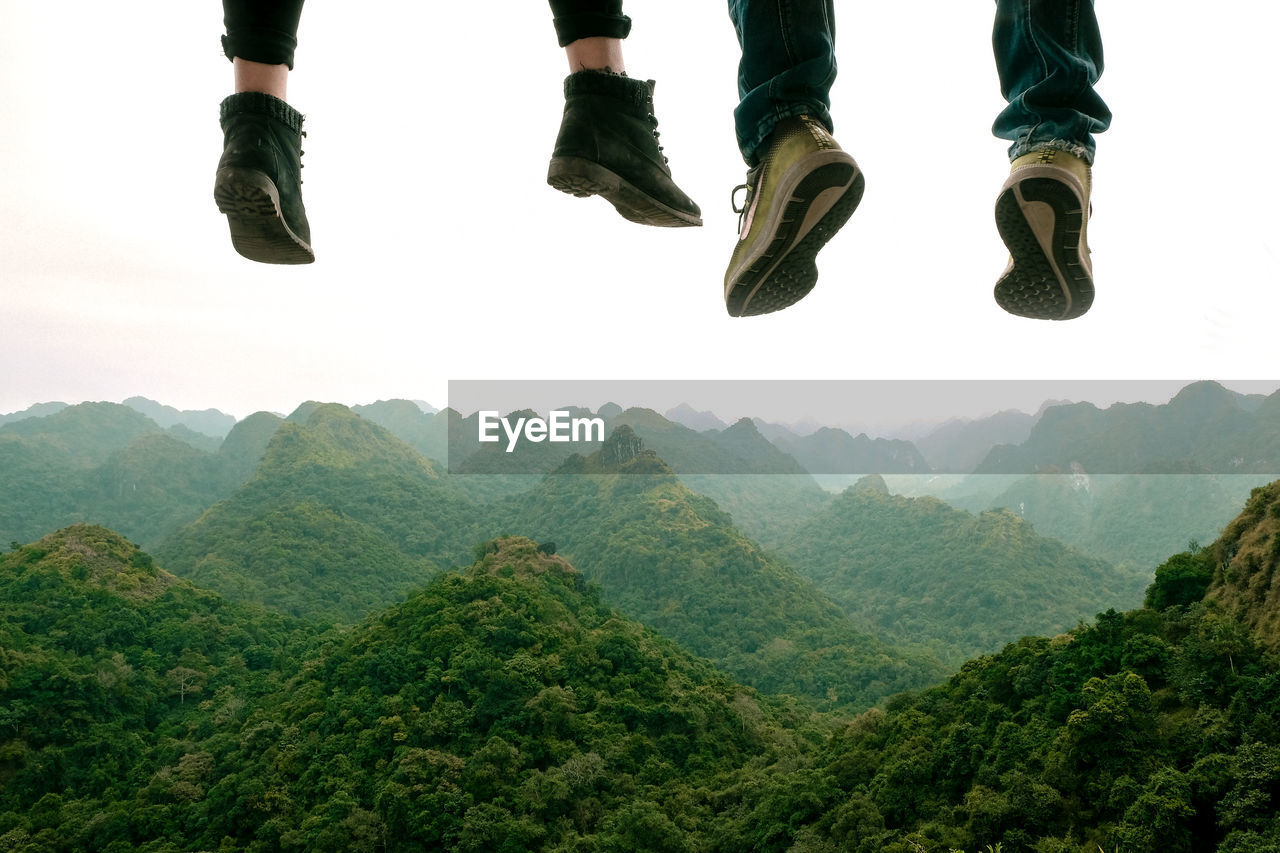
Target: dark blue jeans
[1048,55]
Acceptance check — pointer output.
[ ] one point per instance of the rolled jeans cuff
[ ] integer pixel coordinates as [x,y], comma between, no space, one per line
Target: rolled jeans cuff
[267,47]
[581,25]
[1085,151]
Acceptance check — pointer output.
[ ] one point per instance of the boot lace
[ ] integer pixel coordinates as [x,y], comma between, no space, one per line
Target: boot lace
[750,187]
[653,123]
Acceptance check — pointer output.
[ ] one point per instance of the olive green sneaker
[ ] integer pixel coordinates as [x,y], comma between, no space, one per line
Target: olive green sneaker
[1042,215]
[799,195]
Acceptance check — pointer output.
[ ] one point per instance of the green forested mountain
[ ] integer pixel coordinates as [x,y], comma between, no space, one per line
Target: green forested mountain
[210,422]
[107,464]
[1243,563]
[426,433]
[673,560]
[80,436]
[960,446]
[506,707]
[920,572]
[339,519]
[151,488]
[1135,519]
[766,507]
[39,410]
[1150,731]
[501,709]
[115,678]
[700,421]
[834,451]
[1205,425]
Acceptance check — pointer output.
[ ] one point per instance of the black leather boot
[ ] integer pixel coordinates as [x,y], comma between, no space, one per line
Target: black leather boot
[259,180]
[608,146]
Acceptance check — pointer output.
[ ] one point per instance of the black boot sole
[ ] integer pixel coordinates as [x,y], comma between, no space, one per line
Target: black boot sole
[582,178]
[1040,285]
[783,276]
[251,204]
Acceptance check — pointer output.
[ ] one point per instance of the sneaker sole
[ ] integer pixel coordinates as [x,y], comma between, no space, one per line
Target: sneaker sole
[251,204]
[1046,280]
[582,178]
[819,206]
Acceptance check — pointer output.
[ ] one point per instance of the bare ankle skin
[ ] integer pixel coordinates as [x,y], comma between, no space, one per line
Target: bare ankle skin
[596,54]
[257,77]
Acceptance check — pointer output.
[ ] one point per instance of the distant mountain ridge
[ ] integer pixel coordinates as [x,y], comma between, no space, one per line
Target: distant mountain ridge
[208,421]
[1205,426]
[917,569]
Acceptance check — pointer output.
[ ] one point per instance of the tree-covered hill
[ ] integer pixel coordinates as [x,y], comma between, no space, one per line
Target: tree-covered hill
[1205,424]
[673,560]
[507,707]
[918,571]
[1135,519]
[111,671]
[426,433]
[830,450]
[1244,562]
[959,446]
[209,422]
[502,708]
[104,463]
[1149,731]
[339,519]
[83,435]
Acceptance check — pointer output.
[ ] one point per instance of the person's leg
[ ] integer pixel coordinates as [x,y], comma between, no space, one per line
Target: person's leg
[253,76]
[801,187]
[258,185]
[608,139]
[1049,58]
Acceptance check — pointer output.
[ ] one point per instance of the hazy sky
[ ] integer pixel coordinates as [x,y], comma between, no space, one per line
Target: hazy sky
[443,255]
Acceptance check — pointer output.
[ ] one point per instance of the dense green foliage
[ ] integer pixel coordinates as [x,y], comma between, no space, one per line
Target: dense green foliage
[108,464]
[919,571]
[110,670]
[504,708]
[766,507]
[674,561]
[1182,579]
[508,706]
[341,519]
[1136,519]
[1245,559]
[1147,732]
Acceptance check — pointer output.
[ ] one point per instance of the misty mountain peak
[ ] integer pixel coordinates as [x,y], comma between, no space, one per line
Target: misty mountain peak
[620,447]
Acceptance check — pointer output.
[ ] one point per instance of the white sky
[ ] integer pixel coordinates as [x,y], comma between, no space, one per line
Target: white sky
[442,254]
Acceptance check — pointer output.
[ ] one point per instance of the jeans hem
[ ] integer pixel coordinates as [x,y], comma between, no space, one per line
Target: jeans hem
[1077,149]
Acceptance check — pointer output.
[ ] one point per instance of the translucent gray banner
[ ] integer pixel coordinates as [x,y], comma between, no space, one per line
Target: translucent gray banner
[859,427]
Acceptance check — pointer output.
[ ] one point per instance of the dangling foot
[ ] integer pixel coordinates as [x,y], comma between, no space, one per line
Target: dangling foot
[608,146]
[801,193]
[1042,215]
[259,181]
